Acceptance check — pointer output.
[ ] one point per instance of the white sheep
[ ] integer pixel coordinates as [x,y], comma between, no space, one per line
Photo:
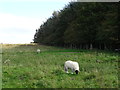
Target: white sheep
[74,66]
[38,50]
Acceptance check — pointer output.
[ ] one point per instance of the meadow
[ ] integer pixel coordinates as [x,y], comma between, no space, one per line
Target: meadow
[22,67]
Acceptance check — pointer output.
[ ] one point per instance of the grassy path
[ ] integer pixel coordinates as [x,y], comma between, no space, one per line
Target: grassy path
[24,68]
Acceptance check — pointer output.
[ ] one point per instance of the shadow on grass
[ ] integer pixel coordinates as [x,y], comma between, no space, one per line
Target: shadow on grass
[63,73]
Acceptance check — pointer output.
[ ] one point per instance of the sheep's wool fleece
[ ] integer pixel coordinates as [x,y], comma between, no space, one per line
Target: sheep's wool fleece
[38,50]
[72,64]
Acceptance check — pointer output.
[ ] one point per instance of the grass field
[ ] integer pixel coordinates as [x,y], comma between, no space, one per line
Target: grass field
[24,68]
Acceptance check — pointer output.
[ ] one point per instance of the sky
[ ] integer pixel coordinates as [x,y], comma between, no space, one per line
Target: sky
[20,18]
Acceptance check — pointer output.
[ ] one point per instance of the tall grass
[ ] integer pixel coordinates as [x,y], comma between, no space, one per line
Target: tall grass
[24,68]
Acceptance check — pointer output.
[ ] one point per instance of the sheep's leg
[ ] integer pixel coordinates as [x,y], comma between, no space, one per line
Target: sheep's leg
[72,71]
[66,69]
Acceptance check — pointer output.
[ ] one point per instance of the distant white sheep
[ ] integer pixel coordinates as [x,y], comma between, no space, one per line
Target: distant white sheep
[38,50]
[74,66]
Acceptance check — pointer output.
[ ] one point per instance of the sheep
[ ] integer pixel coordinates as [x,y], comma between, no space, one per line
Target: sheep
[74,66]
[38,50]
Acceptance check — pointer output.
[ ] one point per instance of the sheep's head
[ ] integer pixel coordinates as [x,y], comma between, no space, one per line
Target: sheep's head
[76,71]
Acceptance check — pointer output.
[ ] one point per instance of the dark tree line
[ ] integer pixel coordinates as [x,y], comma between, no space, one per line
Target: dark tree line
[83,26]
